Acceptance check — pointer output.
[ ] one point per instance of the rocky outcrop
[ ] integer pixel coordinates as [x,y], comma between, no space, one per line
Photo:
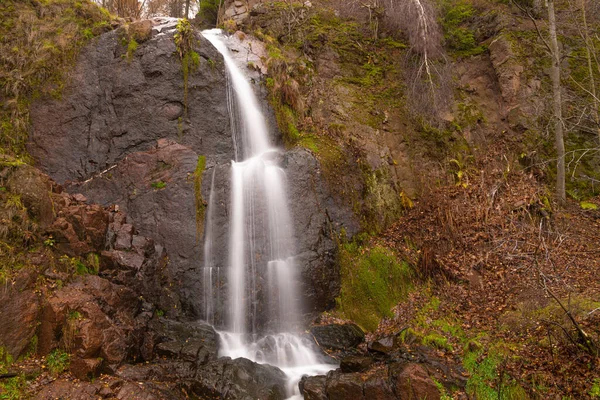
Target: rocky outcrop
[125,133]
[116,104]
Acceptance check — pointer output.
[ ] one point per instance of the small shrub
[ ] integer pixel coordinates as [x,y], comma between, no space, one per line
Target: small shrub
[158,185]
[57,361]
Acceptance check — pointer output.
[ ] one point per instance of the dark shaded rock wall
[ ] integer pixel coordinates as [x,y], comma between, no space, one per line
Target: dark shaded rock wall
[121,135]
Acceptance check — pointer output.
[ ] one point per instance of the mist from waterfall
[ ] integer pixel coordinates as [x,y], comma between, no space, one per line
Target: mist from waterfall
[264,308]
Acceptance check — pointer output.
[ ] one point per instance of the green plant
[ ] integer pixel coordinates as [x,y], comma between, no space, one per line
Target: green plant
[13,388]
[57,361]
[49,242]
[586,205]
[190,60]
[158,185]
[459,38]
[595,389]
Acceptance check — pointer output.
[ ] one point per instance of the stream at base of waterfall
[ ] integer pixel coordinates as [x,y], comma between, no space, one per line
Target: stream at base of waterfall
[263,318]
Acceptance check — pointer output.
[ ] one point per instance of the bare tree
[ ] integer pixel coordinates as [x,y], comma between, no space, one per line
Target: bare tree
[561,195]
[555,76]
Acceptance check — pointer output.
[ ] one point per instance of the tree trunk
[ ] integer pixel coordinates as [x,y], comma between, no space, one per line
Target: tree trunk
[561,196]
[187,9]
[589,47]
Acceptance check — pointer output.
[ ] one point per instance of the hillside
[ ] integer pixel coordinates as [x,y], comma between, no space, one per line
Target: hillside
[435,255]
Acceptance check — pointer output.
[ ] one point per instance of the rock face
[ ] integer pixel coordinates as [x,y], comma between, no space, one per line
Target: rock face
[117,104]
[125,134]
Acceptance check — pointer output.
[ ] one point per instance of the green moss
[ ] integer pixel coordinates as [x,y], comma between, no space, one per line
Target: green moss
[459,37]
[132,46]
[200,203]
[158,185]
[373,281]
[595,389]
[190,60]
[438,341]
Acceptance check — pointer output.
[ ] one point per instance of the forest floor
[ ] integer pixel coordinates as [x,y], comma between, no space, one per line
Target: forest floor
[504,270]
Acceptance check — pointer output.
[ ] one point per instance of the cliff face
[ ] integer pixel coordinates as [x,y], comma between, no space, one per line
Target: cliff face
[130,131]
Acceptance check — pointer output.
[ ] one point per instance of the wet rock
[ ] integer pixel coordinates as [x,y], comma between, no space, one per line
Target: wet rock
[162,371]
[150,391]
[338,337]
[412,381]
[318,215]
[344,386]
[191,341]
[165,215]
[355,363]
[240,379]
[313,387]
[378,387]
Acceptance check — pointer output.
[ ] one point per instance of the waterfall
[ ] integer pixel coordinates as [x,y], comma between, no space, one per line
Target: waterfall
[264,308]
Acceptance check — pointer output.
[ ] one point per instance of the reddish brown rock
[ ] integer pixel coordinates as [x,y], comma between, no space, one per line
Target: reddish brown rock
[19,311]
[413,381]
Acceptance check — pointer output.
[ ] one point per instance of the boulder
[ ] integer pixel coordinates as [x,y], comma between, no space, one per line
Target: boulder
[413,381]
[338,337]
[313,387]
[92,318]
[384,345]
[190,341]
[140,31]
[240,379]
[341,386]
[355,363]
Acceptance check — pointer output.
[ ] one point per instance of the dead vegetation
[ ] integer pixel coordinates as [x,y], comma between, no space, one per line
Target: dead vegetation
[510,266]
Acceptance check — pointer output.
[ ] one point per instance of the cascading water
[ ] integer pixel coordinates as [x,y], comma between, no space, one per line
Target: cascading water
[263,303]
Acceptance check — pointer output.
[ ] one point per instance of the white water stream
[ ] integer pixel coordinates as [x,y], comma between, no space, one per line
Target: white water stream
[264,309]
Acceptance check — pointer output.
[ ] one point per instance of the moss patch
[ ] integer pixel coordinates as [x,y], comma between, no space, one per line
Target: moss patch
[373,281]
[200,203]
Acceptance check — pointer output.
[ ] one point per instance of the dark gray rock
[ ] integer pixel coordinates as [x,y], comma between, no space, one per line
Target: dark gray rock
[384,345]
[318,216]
[189,341]
[240,379]
[355,363]
[338,337]
[113,107]
[156,190]
[313,387]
